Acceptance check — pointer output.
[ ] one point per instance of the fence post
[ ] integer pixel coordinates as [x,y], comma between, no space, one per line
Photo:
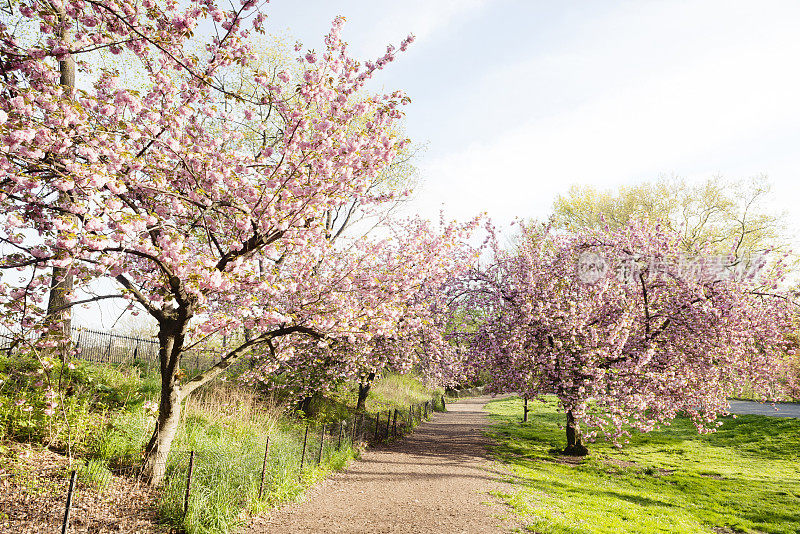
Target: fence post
[263,471]
[353,430]
[426,409]
[410,416]
[188,484]
[321,444]
[394,423]
[65,525]
[303,456]
[444,406]
[377,425]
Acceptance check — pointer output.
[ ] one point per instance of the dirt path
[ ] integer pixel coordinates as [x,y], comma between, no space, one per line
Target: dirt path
[436,480]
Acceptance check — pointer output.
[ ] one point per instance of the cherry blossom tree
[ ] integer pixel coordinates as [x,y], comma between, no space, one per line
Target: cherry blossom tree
[391,287]
[158,188]
[625,329]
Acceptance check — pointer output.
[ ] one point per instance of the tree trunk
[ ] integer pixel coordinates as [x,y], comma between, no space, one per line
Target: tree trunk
[363,390]
[525,410]
[58,304]
[305,405]
[170,336]
[58,308]
[311,405]
[169,416]
[575,445]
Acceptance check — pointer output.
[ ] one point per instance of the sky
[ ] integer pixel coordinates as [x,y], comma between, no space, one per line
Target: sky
[514,101]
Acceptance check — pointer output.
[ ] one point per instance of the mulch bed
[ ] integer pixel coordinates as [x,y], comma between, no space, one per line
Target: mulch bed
[33,492]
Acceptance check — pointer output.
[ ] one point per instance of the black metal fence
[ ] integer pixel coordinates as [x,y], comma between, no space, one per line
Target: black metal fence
[122,349]
[108,347]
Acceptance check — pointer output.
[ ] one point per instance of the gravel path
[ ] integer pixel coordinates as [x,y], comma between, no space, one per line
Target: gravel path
[436,480]
[781,409]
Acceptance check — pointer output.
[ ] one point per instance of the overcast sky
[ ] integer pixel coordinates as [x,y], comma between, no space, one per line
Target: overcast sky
[517,100]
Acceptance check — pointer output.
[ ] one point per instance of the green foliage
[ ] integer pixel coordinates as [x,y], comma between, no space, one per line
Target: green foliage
[743,478]
[729,214]
[79,398]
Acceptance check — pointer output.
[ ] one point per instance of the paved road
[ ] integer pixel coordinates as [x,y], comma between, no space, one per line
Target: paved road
[781,409]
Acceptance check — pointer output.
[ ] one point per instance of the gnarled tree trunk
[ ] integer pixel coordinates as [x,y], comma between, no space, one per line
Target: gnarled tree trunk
[363,390]
[169,417]
[170,336]
[575,445]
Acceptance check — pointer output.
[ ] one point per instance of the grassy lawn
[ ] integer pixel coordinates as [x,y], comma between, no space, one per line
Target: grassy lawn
[743,478]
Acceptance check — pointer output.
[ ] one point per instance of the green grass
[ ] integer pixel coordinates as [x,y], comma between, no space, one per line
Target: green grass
[743,478]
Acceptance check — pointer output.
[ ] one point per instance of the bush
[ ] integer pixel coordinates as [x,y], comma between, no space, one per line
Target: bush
[66,407]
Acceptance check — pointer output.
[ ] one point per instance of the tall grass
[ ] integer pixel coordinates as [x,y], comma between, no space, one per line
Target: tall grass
[228,429]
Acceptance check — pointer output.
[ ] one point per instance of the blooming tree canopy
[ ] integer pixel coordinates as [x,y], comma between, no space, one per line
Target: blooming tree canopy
[625,329]
[159,189]
[391,288]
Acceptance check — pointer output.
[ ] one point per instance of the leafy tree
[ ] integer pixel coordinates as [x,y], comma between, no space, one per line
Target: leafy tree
[730,216]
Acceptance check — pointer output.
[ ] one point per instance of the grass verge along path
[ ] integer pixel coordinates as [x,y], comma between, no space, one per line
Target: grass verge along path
[743,478]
